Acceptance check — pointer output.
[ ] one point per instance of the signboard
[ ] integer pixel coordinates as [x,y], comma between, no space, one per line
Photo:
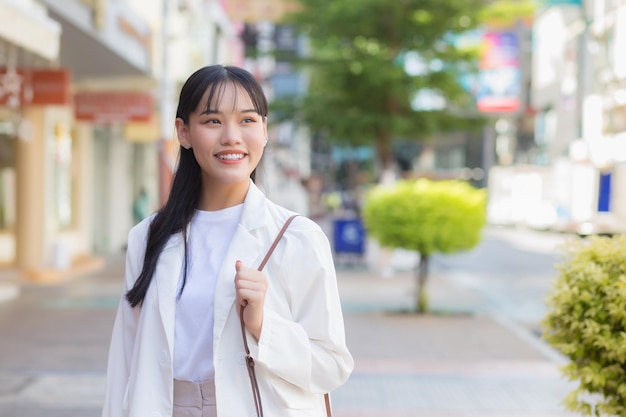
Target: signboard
[113,106]
[499,78]
[564,2]
[35,86]
[259,10]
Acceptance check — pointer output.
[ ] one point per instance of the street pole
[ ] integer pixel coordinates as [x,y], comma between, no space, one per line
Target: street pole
[165,105]
[488,157]
[583,71]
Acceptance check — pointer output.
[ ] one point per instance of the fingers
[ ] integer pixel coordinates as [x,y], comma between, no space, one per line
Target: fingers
[250,284]
[251,287]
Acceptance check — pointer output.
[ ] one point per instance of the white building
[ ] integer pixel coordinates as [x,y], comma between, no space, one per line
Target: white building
[579,92]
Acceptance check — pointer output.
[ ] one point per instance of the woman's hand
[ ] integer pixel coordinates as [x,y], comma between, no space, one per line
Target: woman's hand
[250,287]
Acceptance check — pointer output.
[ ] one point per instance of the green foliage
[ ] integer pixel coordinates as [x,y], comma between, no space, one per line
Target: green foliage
[361,91]
[505,13]
[426,216]
[586,322]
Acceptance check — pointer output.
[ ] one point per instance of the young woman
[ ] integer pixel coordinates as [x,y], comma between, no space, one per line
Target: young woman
[177,347]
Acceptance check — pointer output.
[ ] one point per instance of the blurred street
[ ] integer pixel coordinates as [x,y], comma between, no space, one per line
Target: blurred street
[477,354]
[523,102]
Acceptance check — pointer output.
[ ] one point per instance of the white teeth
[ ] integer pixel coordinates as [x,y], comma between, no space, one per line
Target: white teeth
[231,156]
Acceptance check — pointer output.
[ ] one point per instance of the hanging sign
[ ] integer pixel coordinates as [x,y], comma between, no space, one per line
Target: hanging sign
[113,106]
[499,78]
[34,87]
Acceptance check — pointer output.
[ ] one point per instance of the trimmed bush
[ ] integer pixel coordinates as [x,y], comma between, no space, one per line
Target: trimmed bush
[586,321]
[425,216]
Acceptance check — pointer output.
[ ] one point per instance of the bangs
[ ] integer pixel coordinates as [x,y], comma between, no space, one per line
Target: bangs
[205,88]
[216,93]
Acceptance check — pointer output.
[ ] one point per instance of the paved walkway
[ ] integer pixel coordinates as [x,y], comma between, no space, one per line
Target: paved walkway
[460,361]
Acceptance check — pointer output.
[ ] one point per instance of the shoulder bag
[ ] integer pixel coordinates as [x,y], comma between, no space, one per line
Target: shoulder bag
[249,358]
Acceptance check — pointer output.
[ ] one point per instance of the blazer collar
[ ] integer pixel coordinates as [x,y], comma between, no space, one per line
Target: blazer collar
[254,214]
[244,246]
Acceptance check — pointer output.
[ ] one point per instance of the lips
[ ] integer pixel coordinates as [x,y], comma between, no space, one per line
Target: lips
[230,156]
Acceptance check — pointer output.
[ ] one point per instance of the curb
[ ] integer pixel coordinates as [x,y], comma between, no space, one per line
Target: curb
[81,266]
[50,276]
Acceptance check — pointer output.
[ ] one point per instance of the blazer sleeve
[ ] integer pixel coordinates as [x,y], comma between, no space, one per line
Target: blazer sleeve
[307,349]
[123,336]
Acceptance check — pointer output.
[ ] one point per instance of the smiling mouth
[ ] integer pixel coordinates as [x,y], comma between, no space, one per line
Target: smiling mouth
[231,156]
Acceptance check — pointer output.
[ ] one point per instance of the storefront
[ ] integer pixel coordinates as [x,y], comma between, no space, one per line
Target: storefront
[29,43]
[54,154]
[8,190]
[122,132]
[39,171]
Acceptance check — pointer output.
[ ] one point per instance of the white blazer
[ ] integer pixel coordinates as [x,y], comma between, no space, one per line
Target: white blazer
[302,352]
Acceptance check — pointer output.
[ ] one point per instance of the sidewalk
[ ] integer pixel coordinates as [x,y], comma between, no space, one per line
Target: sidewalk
[11,279]
[460,362]
[9,287]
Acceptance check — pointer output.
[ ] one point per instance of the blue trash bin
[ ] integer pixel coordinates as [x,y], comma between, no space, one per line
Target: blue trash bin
[349,236]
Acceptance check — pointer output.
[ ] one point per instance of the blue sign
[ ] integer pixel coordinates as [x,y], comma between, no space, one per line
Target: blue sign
[349,236]
[564,2]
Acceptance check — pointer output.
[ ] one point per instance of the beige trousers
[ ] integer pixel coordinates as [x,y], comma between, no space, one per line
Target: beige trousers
[194,399]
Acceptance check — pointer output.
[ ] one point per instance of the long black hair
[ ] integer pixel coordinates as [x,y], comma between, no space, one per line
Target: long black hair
[184,195]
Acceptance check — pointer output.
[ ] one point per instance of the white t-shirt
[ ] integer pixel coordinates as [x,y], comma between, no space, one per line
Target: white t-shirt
[209,237]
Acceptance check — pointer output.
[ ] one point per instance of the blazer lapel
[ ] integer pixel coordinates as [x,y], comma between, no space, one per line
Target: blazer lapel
[245,246]
[169,269]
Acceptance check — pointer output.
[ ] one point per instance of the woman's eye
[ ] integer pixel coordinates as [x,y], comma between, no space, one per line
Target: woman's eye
[211,121]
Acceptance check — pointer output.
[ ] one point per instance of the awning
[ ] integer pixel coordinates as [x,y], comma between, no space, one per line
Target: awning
[26,24]
[119,50]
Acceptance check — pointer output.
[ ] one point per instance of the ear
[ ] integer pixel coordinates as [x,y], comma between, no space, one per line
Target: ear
[265,126]
[183,133]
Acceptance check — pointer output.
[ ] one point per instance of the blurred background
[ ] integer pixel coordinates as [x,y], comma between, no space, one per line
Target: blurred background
[522,98]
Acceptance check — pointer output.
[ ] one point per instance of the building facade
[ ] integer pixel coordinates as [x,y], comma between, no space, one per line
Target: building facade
[87,96]
[579,90]
[575,180]
[51,129]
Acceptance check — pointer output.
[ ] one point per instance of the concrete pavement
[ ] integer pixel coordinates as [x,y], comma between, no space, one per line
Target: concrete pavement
[460,361]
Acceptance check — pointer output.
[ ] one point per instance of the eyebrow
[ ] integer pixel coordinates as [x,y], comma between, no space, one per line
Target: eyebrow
[215,111]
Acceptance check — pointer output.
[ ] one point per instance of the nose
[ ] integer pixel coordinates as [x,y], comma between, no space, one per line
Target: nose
[231,134]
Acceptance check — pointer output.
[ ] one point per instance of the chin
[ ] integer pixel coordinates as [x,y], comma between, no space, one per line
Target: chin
[236,180]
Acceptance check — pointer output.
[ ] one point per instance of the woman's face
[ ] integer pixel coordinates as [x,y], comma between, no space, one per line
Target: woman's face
[227,138]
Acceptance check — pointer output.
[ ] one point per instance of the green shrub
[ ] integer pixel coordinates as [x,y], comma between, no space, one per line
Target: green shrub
[427,217]
[586,321]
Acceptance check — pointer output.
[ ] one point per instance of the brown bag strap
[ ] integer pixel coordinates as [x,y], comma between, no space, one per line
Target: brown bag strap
[329,412]
[278,237]
[249,359]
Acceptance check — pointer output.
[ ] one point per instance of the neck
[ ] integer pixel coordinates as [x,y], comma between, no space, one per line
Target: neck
[217,197]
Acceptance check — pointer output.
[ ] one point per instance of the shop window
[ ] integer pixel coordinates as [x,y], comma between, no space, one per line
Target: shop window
[7,181]
[63,177]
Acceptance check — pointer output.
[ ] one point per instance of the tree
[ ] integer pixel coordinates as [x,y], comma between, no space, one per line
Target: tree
[383,69]
[586,322]
[427,217]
